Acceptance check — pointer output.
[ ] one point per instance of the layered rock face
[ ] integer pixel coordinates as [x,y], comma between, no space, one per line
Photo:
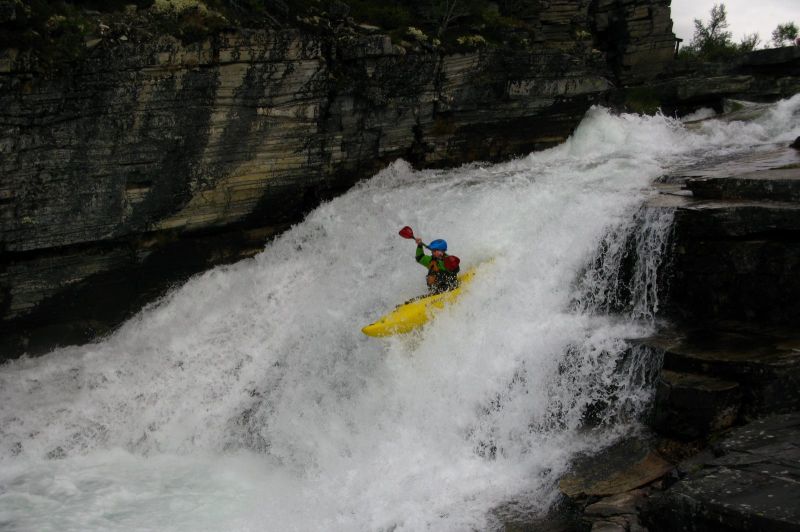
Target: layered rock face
[737,254]
[722,454]
[763,75]
[637,36]
[150,161]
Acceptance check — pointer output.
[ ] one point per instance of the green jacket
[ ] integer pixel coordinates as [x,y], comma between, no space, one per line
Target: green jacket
[428,262]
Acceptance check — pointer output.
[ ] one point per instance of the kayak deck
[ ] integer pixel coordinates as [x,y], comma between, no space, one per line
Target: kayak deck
[417,312]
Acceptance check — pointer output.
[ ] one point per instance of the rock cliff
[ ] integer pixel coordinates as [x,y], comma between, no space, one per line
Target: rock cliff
[759,76]
[737,254]
[150,159]
[725,411]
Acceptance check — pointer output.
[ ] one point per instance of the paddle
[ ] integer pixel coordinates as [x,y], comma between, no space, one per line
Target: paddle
[451,262]
[407,232]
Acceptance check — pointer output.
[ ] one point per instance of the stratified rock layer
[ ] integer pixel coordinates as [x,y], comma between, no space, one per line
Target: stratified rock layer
[714,378]
[763,75]
[737,243]
[722,380]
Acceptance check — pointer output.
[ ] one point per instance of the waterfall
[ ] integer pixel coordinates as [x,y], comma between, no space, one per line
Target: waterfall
[626,275]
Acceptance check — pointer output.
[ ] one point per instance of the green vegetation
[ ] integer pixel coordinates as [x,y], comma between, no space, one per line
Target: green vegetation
[387,15]
[56,31]
[642,100]
[711,41]
[189,20]
[785,34]
[445,21]
[61,31]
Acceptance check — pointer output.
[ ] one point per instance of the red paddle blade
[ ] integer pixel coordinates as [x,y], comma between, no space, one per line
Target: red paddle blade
[406,232]
[451,262]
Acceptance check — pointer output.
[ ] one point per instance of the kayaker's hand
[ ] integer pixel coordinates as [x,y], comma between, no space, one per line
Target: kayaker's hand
[418,241]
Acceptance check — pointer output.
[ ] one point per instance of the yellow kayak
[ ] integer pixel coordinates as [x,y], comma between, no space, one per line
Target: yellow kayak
[416,313]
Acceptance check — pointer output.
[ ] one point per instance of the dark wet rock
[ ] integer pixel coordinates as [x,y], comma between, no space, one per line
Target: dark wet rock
[737,246]
[100,286]
[636,36]
[627,465]
[765,364]
[691,406]
[514,516]
[750,483]
[338,10]
[627,503]
[8,11]
[796,144]
[760,76]
[747,478]
[770,59]
[369,46]
[610,488]
[780,184]
[608,526]
[731,221]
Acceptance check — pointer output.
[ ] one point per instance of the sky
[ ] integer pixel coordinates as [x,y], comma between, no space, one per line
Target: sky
[744,16]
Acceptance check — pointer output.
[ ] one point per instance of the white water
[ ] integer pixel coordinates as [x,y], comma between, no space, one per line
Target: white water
[249,400]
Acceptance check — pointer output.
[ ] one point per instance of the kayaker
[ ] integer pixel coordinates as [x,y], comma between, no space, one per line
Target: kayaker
[442,268]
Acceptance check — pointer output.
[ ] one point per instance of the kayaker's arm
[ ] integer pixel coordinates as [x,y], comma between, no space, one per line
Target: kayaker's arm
[422,258]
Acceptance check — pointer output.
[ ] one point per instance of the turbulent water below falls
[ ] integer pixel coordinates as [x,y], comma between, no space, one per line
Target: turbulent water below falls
[248,399]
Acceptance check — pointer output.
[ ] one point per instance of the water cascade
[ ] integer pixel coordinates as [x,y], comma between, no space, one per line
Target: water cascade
[248,399]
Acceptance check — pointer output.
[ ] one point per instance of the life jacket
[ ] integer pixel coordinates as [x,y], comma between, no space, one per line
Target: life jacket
[439,277]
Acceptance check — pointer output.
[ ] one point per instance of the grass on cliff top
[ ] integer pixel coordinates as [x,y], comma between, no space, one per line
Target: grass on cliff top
[57,32]
[455,24]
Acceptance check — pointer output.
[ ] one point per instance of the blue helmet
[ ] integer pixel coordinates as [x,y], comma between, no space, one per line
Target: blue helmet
[438,245]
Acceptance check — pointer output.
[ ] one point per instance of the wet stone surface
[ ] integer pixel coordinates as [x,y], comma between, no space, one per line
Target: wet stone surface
[627,465]
[737,240]
[764,362]
[689,405]
[751,481]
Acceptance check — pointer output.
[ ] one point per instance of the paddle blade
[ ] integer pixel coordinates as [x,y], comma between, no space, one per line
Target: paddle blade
[406,232]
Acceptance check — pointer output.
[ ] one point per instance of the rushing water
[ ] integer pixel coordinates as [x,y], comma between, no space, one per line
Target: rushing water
[248,399]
